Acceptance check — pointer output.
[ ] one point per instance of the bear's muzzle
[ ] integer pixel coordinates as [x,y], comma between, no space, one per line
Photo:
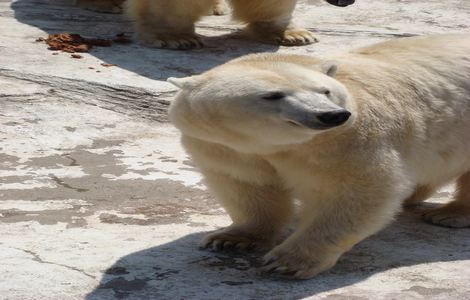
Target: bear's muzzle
[342,3]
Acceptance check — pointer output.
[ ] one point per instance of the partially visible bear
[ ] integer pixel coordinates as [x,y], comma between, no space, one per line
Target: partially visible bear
[170,23]
[116,6]
[353,137]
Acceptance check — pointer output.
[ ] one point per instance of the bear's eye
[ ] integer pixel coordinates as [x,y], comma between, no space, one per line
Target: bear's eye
[326,92]
[273,96]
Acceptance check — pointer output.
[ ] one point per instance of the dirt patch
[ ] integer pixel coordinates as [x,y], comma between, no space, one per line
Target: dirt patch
[122,39]
[72,43]
[119,201]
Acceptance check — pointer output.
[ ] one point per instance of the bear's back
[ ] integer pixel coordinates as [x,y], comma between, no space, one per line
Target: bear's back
[435,49]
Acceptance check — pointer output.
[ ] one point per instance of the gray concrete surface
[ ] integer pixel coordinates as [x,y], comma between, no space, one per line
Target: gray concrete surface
[99,201]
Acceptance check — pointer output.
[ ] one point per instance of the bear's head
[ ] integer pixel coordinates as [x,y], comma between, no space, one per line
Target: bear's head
[262,103]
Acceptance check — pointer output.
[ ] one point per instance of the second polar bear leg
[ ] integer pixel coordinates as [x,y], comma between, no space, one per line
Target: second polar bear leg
[249,190]
[168,23]
[270,21]
[456,213]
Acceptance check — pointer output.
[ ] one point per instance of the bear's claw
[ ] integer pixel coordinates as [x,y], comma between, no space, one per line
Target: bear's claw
[235,239]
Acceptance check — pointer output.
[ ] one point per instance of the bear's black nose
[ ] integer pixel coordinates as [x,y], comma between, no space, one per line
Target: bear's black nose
[341,3]
[334,118]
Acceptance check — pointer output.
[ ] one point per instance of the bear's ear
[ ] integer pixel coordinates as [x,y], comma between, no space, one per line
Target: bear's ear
[329,67]
[183,83]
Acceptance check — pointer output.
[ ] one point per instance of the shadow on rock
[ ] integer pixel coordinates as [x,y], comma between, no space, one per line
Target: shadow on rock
[156,64]
[176,270]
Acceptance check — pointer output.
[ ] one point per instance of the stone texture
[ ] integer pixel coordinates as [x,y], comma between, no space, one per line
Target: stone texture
[99,201]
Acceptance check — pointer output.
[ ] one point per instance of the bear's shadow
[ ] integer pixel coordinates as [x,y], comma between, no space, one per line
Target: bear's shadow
[153,63]
[176,270]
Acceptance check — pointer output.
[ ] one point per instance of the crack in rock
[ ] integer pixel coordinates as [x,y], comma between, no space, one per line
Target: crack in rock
[65,185]
[38,259]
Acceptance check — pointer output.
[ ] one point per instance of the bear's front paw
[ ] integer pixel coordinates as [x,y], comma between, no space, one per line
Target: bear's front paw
[237,238]
[450,215]
[186,42]
[297,37]
[297,261]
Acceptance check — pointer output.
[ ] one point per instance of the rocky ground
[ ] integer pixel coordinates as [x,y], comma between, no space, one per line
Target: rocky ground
[99,201]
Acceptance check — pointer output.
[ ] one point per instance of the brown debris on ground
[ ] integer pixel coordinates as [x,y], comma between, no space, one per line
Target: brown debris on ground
[122,39]
[71,43]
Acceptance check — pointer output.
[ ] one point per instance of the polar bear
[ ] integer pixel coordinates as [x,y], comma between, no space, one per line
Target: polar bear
[170,24]
[115,6]
[353,137]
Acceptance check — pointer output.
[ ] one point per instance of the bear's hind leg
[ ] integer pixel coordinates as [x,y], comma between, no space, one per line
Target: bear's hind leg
[168,23]
[456,213]
[269,21]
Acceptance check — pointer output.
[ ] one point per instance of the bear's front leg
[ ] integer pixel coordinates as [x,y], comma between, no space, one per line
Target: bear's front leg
[330,226]
[250,191]
[258,212]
